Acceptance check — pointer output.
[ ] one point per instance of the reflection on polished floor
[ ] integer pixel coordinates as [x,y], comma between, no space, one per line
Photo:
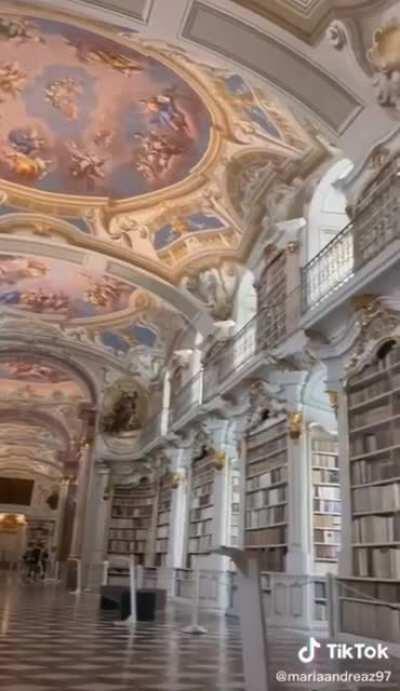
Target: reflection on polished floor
[53,641]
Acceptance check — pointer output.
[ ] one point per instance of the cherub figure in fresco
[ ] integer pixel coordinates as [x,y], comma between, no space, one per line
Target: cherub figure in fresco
[63,94]
[14,270]
[12,79]
[105,292]
[95,55]
[27,140]
[18,29]
[37,300]
[103,137]
[28,167]
[86,164]
[163,111]
[156,154]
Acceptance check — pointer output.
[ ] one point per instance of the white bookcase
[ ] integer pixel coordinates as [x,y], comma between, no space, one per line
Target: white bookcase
[131,521]
[326,518]
[201,508]
[373,397]
[266,495]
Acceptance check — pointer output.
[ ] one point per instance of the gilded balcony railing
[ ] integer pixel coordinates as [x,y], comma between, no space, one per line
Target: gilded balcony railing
[375,225]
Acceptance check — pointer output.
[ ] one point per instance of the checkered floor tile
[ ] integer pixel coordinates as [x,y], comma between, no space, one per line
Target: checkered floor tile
[53,641]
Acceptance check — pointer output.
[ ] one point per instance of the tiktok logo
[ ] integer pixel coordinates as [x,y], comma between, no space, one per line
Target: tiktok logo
[307,654]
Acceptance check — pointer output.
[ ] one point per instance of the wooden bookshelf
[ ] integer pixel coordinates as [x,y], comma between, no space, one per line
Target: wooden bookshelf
[131,519]
[374,441]
[201,508]
[266,496]
[163,521]
[326,499]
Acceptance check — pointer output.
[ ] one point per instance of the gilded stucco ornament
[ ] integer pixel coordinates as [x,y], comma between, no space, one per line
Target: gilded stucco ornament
[295,420]
[384,56]
[374,320]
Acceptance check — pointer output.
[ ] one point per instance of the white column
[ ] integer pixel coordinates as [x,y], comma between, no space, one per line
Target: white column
[299,557]
[84,476]
[176,557]
[97,515]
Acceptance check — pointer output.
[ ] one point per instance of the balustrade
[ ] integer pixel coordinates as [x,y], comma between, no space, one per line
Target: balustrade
[187,398]
[376,224]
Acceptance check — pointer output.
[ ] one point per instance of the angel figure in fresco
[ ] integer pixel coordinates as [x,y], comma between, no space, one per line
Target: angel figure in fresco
[124,416]
[156,154]
[86,164]
[14,270]
[163,111]
[19,30]
[27,140]
[63,94]
[12,79]
[103,137]
[105,292]
[28,167]
[37,300]
[116,61]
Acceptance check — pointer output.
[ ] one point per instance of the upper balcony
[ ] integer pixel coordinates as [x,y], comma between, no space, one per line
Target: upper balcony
[367,246]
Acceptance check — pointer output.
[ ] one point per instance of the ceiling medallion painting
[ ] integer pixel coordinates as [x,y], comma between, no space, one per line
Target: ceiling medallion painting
[86,116]
[58,289]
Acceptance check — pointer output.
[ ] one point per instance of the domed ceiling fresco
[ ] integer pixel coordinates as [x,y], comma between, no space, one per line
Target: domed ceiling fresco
[84,115]
[127,174]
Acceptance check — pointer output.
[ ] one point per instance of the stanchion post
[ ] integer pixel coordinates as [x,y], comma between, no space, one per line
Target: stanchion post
[252,618]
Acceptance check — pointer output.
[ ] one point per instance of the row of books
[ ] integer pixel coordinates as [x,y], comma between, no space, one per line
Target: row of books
[370,416]
[376,388]
[262,518]
[326,492]
[376,498]
[325,461]
[203,478]
[324,506]
[367,442]
[378,365]
[124,534]
[201,514]
[267,479]
[162,546]
[271,449]
[200,544]
[202,490]
[163,531]
[139,499]
[327,522]
[330,537]
[163,518]
[201,528]
[131,511]
[267,435]
[273,559]
[262,466]
[200,502]
[376,528]
[369,619]
[322,476]
[327,552]
[126,546]
[380,468]
[129,523]
[377,562]
[324,445]
[268,536]
[266,497]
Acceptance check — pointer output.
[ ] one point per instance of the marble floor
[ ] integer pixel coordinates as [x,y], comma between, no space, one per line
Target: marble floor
[53,641]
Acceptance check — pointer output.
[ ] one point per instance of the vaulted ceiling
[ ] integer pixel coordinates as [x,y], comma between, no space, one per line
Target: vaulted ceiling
[140,141]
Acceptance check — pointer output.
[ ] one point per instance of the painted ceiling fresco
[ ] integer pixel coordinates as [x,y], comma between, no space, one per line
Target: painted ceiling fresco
[22,376]
[85,115]
[58,288]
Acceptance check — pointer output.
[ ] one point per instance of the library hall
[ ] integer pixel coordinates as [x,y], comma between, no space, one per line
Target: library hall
[199,345]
